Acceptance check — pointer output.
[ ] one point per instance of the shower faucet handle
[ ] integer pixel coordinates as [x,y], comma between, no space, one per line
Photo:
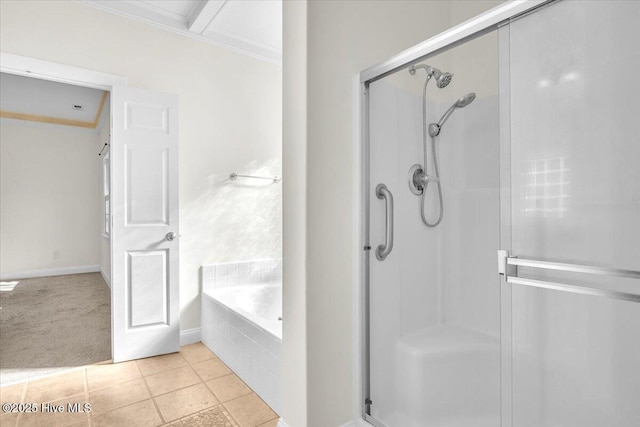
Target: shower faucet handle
[426,179]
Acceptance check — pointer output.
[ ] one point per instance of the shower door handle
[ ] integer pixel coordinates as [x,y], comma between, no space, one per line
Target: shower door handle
[382,192]
[511,276]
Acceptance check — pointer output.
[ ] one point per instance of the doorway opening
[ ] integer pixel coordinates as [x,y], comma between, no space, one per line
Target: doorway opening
[55,243]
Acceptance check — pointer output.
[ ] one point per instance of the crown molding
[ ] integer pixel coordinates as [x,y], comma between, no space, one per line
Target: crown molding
[141,12]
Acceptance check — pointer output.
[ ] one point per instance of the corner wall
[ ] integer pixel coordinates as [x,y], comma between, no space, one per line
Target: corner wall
[294,259]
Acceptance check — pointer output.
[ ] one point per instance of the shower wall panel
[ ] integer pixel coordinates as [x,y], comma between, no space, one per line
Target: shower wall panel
[469,149]
[405,299]
[435,299]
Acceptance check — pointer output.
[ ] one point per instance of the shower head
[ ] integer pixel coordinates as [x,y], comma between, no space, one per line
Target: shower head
[434,128]
[465,100]
[442,79]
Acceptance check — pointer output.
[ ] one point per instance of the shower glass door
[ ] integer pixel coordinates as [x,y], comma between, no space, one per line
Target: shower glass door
[541,169]
[435,298]
[574,97]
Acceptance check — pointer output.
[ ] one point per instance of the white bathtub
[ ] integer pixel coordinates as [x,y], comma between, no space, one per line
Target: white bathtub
[261,303]
[241,325]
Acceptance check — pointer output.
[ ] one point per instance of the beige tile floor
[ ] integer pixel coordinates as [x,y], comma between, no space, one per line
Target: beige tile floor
[189,388]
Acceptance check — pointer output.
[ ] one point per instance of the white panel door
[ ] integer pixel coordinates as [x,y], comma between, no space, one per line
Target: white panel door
[145,248]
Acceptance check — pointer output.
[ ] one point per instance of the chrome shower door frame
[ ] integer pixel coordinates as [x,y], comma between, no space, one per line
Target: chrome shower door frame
[487,22]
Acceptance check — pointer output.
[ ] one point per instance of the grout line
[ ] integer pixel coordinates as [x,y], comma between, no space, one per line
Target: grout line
[271,420]
[228,375]
[158,372]
[86,393]
[128,403]
[229,412]
[200,361]
[177,389]
[252,392]
[24,392]
[191,385]
[22,397]
[152,398]
[172,369]
[111,384]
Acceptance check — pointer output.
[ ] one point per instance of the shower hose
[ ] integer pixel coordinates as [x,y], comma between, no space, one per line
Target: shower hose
[434,150]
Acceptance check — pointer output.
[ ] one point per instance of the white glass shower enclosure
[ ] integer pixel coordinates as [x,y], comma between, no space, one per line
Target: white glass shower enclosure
[522,307]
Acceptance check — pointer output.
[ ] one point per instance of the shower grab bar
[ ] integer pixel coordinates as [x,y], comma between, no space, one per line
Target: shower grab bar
[504,260]
[382,251]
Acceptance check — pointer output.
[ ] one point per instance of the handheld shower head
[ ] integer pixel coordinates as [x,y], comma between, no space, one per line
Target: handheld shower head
[465,100]
[434,128]
[442,79]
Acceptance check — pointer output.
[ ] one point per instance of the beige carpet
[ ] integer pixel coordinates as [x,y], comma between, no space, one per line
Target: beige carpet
[50,324]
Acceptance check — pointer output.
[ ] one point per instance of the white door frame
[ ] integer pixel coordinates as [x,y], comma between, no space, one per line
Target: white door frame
[46,70]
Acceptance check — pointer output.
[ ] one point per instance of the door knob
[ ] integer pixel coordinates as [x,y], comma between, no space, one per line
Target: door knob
[171,236]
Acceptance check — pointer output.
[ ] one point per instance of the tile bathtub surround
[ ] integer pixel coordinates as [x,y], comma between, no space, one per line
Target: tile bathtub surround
[190,388]
[253,353]
[241,273]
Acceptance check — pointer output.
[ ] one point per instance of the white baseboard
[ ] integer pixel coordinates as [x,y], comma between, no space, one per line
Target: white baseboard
[105,277]
[349,424]
[190,336]
[281,423]
[28,274]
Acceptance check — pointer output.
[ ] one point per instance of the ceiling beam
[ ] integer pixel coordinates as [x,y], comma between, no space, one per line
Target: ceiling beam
[46,119]
[202,14]
[58,121]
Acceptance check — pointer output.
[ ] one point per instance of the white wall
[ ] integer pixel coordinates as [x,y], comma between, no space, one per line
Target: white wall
[294,259]
[343,38]
[230,120]
[49,181]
